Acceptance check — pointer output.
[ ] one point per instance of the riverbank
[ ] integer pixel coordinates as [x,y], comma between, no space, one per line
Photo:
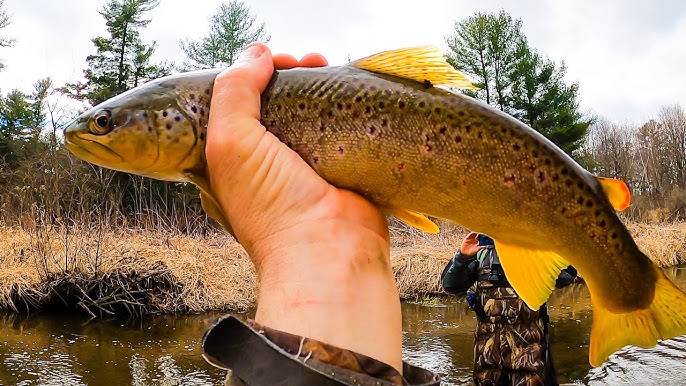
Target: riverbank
[139,272]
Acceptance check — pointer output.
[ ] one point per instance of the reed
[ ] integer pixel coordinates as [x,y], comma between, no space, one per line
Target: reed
[101,271]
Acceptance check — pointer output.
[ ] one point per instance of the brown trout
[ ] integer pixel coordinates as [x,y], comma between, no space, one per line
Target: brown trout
[380,127]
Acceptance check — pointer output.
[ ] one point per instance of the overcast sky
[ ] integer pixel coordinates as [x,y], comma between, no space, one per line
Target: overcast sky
[628,56]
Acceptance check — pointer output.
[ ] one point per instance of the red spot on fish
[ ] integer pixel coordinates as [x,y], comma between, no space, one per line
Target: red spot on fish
[340,149]
[401,166]
[509,179]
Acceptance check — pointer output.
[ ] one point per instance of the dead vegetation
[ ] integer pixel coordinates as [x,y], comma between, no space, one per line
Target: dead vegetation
[135,272]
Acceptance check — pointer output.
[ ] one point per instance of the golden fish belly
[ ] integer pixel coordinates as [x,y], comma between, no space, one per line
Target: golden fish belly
[424,149]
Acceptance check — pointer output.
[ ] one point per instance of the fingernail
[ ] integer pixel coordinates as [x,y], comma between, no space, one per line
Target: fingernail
[252,51]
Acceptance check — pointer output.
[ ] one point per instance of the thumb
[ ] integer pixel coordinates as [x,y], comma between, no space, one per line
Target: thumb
[234,128]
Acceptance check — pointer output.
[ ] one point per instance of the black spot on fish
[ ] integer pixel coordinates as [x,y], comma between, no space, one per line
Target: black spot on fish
[367,109]
[480,135]
[192,96]
[580,200]
[202,136]
[461,114]
[348,106]
[165,113]
[589,204]
[301,106]
[168,126]
[450,117]
[207,91]
[401,104]
[458,139]
[177,118]
[437,110]
[149,129]
[541,176]
[194,109]
[442,130]
[516,147]
[322,127]
[613,235]
[597,212]
[427,84]
[358,99]
[564,171]
[288,94]
[272,123]
[320,93]
[145,115]
[339,105]
[340,149]
[372,129]
[315,160]
[563,210]
[356,114]
[468,127]
[580,185]
[569,182]
[422,104]
[547,161]
[289,144]
[601,223]
[384,122]
[428,147]
[382,105]
[555,177]
[534,153]
[278,107]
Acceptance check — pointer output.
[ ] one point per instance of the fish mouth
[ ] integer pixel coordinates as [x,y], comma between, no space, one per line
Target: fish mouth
[91,151]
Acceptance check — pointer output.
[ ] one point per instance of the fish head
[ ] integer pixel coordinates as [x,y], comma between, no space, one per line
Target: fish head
[150,130]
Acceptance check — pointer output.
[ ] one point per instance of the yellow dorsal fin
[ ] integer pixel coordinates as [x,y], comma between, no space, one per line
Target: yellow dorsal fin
[616,191]
[532,273]
[423,64]
[413,219]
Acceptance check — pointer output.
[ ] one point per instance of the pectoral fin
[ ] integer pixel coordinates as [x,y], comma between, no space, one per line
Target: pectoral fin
[413,219]
[209,202]
[532,273]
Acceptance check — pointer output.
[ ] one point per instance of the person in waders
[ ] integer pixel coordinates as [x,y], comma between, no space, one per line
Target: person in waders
[511,341]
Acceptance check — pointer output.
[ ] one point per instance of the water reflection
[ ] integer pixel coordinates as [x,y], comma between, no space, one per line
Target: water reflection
[48,349]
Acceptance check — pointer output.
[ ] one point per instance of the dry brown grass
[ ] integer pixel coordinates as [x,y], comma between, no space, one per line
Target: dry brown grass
[148,271]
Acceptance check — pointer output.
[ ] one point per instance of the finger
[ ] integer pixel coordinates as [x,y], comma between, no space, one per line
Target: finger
[313,60]
[285,61]
[235,106]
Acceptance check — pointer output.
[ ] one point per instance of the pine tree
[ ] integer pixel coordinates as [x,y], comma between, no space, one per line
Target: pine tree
[512,76]
[122,61]
[232,27]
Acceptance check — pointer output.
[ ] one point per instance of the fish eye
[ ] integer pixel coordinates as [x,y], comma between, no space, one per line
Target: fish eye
[101,122]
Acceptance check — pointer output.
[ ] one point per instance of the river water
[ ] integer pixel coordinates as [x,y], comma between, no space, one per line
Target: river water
[54,349]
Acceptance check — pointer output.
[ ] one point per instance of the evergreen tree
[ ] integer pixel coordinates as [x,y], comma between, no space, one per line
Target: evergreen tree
[232,27]
[493,51]
[485,46]
[542,99]
[122,61]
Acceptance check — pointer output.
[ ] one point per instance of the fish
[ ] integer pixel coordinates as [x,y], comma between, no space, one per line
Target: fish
[393,128]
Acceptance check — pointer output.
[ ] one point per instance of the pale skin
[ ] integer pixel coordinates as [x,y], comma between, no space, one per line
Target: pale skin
[321,253]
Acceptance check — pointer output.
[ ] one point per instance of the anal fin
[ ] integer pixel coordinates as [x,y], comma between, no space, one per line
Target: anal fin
[532,273]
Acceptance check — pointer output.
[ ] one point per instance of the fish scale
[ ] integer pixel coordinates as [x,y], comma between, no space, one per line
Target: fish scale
[380,128]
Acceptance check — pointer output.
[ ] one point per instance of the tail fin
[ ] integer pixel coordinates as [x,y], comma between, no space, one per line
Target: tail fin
[664,319]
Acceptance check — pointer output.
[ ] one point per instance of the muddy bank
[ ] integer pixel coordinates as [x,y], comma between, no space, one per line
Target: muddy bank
[101,272]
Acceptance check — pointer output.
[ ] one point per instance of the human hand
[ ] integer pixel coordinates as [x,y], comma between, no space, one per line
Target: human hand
[321,253]
[470,245]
